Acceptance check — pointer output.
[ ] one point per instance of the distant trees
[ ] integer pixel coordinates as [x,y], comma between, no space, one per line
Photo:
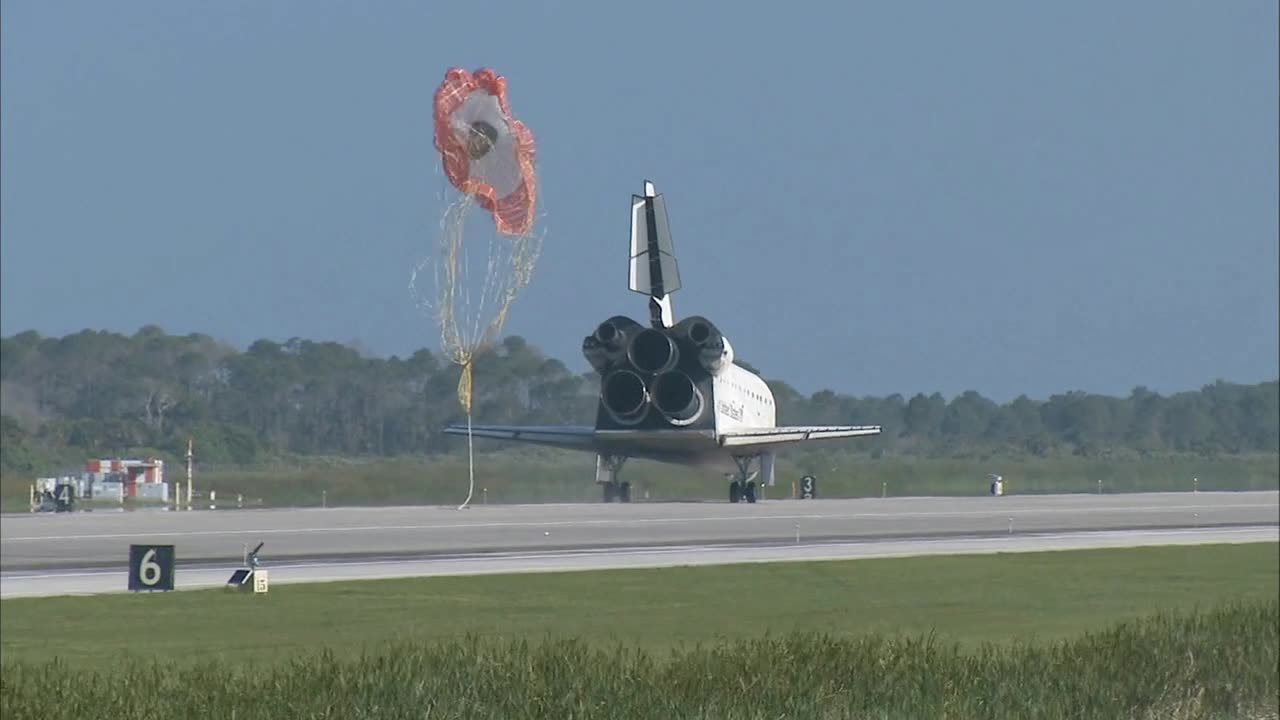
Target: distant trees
[104,393]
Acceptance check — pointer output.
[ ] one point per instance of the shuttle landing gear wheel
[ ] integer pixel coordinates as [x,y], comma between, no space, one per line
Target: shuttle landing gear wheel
[607,469]
[744,487]
[619,491]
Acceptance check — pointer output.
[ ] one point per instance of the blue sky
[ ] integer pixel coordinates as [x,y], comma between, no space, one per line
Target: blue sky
[1009,197]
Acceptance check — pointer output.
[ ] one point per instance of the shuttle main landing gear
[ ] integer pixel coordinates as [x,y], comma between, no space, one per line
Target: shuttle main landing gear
[619,491]
[607,469]
[743,487]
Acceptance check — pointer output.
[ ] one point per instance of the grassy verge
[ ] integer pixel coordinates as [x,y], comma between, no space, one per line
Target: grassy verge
[550,476]
[969,599]
[1219,663]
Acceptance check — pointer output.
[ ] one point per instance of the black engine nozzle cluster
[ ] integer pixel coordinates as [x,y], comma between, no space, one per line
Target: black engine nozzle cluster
[645,367]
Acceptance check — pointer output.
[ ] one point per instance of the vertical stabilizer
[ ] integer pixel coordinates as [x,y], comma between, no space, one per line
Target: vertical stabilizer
[653,269]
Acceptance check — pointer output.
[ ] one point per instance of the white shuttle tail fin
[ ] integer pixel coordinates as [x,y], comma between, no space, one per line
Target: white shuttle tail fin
[653,269]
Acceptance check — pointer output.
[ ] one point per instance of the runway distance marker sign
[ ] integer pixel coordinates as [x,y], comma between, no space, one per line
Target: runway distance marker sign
[151,567]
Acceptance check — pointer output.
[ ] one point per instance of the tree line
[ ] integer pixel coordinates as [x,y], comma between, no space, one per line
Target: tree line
[99,393]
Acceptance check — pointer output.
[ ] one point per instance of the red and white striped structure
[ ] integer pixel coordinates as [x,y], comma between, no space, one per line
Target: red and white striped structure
[127,472]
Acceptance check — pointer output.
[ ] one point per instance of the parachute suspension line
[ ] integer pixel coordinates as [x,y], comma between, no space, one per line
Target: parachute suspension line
[471,318]
[508,270]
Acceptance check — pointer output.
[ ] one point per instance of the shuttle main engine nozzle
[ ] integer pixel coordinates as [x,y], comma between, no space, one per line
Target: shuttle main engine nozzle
[652,351]
[625,397]
[677,397]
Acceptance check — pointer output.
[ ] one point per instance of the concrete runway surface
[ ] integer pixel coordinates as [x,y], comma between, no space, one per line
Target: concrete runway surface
[34,583]
[87,552]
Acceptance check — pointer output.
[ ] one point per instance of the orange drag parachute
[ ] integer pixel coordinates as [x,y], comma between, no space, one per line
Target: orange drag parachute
[487,154]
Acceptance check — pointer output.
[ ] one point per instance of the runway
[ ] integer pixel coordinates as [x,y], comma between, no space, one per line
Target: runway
[87,552]
[36,583]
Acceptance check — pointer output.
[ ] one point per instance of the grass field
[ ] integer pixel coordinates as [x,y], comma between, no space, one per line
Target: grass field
[970,599]
[552,476]
[1178,632]
[1204,665]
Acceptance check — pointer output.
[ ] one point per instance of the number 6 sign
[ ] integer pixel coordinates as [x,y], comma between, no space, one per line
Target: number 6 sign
[150,567]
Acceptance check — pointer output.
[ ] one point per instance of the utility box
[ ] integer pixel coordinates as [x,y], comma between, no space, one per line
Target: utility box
[251,577]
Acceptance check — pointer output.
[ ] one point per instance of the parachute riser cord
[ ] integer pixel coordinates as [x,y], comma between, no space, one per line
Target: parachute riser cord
[461,311]
[464,394]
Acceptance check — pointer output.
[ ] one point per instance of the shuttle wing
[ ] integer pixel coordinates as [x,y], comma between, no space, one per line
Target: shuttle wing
[655,444]
[762,437]
[579,437]
[586,437]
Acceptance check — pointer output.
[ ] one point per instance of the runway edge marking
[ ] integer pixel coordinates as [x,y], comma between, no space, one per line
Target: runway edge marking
[1089,540]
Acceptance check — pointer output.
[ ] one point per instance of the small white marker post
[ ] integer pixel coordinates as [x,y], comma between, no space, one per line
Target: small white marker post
[1010,526]
[1099,486]
[1195,485]
[797,533]
[884,488]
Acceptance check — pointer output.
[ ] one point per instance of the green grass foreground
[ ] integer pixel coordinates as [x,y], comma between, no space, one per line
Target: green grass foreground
[1167,632]
[1037,597]
[1219,663]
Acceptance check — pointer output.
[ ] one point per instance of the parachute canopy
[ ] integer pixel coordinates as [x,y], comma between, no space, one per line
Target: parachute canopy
[486,152]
